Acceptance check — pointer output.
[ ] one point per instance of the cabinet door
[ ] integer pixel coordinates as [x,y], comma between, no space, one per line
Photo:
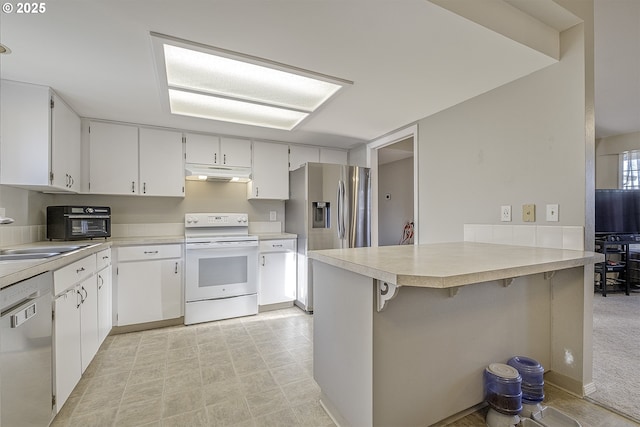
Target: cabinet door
[65,146]
[25,115]
[270,172]
[104,303]
[202,149]
[67,344]
[300,154]
[328,155]
[277,278]
[161,163]
[171,289]
[88,320]
[149,291]
[113,158]
[235,152]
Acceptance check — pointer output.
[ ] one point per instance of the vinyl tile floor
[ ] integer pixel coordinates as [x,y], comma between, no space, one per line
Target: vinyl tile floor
[251,371]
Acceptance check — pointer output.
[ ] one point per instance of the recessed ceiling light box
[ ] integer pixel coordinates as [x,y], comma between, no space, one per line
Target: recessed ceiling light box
[212,83]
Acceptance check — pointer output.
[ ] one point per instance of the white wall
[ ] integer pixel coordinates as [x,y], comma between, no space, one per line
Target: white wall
[525,142]
[395,179]
[607,153]
[29,207]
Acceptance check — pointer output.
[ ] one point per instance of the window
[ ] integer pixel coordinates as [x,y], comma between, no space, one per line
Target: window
[630,170]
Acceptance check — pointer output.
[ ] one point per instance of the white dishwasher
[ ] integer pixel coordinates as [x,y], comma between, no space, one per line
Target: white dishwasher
[25,352]
[277,278]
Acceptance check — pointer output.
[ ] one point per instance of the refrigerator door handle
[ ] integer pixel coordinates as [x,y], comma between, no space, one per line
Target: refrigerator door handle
[341,210]
[338,200]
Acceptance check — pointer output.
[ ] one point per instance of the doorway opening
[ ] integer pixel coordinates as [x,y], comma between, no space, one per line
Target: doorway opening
[393,161]
[395,194]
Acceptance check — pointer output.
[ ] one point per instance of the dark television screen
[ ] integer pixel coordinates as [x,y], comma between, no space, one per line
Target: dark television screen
[617,211]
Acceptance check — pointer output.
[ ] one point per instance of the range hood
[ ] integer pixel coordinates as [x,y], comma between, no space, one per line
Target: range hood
[199,172]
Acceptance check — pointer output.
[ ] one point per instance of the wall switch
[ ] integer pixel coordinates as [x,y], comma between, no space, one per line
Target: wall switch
[272,215]
[552,213]
[505,213]
[529,213]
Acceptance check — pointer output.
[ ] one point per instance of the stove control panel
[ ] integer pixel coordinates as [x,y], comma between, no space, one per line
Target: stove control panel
[216,220]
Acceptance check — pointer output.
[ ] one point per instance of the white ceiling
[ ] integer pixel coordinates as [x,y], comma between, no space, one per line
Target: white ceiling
[408,58]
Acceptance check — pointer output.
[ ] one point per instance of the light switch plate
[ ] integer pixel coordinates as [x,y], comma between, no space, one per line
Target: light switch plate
[529,213]
[272,215]
[505,213]
[552,213]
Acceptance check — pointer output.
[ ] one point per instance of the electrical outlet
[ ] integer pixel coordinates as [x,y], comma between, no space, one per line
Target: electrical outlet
[272,215]
[529,213]
[505,213]
[552,213]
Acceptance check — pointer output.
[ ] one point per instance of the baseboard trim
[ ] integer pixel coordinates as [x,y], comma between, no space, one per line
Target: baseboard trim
[116,330]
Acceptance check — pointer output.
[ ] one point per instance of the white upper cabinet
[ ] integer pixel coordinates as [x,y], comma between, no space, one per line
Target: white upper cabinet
[328,155]
[301,154]
[40,137]
[218,151]
[161,164]
[125,159]
[270,179]
[113,158]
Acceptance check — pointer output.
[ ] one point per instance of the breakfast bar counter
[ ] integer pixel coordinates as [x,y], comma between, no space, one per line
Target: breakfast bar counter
[402,334]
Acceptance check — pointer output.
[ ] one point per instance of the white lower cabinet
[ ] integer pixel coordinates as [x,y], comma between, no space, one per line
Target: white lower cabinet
[277,280]
[89,341]
[149,281]
[68,363]
[105,294]
[76,335]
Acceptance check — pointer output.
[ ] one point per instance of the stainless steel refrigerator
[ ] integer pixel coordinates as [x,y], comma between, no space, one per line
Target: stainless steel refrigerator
[329,207]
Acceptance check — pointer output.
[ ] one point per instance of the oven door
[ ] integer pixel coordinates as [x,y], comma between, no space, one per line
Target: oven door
[80,226]
[224,271]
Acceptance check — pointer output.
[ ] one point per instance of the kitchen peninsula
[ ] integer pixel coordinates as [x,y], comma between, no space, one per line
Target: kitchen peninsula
[402,334]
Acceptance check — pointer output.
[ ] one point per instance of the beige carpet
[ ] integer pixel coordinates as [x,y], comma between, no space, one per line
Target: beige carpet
[616,352]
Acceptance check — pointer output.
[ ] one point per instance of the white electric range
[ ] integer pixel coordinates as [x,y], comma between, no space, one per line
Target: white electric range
[221,274]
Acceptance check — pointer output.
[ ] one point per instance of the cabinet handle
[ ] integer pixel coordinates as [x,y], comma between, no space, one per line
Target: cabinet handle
[150,252]
[215,158]
[101,280]
[224,159]
[276,246]
[144,188]
[86,294]
[105,257]
[81,269]
[256,191]
[72,181]
[263,260]
[133,186]
[78,293]
[176,270]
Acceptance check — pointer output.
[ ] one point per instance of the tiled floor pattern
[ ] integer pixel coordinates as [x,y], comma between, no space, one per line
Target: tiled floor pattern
[253,371]
[250,372]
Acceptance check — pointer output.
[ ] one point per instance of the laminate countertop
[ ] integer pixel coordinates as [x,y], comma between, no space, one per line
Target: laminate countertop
[448,265]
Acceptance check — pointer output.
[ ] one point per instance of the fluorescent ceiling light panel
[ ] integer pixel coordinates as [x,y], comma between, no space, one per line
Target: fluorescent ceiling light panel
[230,110]
[213,83]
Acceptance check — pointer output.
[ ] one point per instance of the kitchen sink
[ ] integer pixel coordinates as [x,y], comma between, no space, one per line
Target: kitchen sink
[42,250]
[32,255]
[36,252]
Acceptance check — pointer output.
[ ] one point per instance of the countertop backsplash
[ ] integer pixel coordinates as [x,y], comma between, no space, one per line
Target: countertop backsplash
[21,234]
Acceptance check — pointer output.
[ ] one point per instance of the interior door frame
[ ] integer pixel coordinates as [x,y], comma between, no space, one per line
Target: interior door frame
[372,162]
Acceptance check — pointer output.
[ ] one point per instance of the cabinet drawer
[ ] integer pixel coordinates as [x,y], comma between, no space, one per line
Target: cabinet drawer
[140,253]
[283,245]
[103,259]
[73,273]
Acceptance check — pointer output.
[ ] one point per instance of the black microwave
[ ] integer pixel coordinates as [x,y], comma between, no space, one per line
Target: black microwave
[78,222]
